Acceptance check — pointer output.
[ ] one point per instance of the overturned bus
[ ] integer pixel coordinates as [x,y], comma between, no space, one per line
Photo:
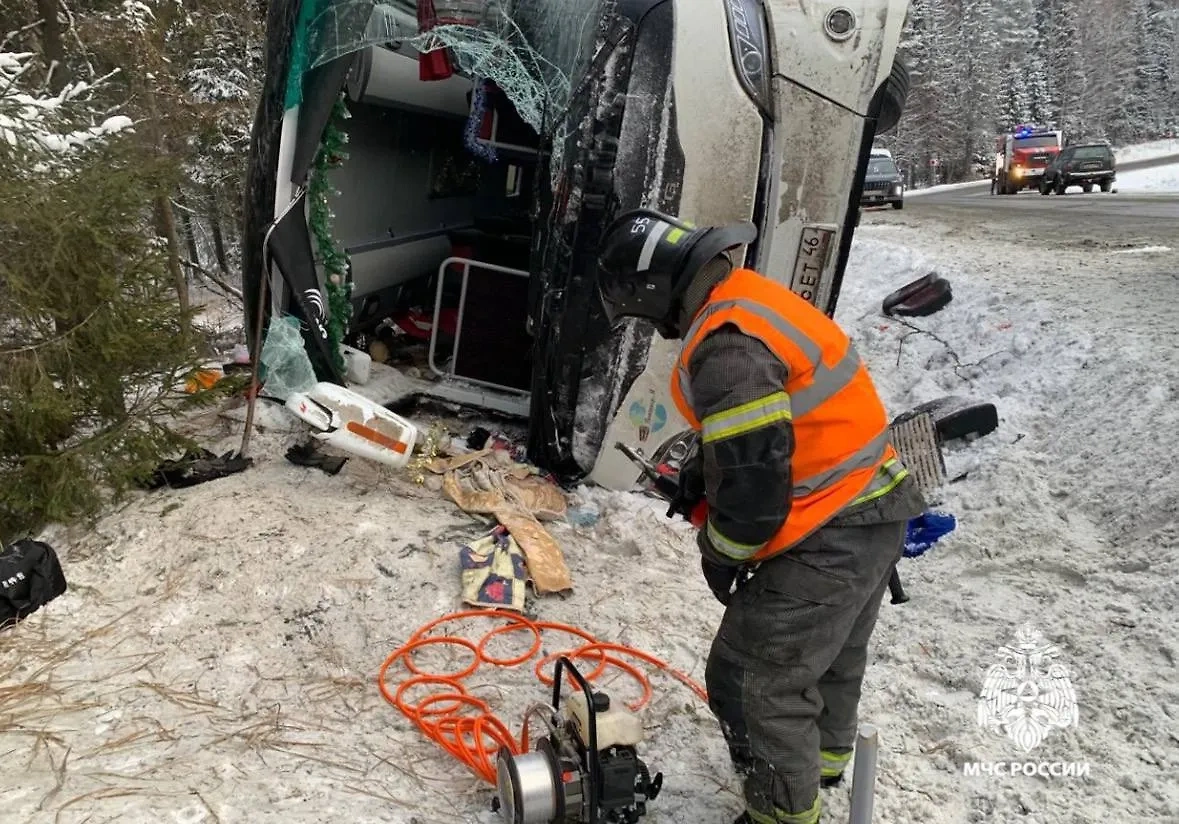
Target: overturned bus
[443,170]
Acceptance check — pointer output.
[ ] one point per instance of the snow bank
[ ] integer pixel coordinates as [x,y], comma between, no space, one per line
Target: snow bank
[947,187]
[1156,179]
[1068,520]
[1145,250]
[1147,151]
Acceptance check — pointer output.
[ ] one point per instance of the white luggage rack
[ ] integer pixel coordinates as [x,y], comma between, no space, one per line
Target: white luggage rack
[460,388]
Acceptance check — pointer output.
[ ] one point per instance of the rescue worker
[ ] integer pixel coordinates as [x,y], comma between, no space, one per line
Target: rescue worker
[807,499]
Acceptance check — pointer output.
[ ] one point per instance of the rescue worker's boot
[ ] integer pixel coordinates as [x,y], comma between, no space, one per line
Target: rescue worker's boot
[810,816]
[832,765]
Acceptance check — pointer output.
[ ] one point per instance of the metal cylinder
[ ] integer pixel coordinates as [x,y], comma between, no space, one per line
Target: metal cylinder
[527,788]
[863,794]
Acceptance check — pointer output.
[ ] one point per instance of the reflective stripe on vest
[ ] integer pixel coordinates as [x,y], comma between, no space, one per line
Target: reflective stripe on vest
[746,417]
[843,455]
[827,380]
[870,455]
[891,473]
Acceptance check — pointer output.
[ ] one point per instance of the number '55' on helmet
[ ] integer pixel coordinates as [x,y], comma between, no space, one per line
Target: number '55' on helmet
[647,260]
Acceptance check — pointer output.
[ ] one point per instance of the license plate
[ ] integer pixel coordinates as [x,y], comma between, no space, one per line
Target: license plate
[814,249]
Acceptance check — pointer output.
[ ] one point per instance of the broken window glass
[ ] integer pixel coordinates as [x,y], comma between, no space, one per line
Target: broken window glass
[529,48]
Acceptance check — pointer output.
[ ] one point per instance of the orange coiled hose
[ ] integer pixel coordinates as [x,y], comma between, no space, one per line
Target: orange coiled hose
[464,725]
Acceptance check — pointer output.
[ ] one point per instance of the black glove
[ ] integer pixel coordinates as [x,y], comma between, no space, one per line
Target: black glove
[720,576]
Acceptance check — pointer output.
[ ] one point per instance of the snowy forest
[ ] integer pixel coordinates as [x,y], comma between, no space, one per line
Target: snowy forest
[1097,69]
[124,142]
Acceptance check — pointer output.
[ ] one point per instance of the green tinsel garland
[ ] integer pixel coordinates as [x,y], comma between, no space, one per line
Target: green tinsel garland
[320,217]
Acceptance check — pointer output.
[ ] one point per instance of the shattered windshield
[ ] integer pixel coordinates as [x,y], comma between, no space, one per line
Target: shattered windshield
[529,48]
[531,53]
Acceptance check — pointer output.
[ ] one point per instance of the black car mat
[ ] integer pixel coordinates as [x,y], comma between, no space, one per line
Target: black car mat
[920,298]
[196,466]
[308,454]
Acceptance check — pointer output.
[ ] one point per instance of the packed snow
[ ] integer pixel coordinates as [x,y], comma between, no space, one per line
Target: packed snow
[1157,179]
[1145,250]
[1148,151]
[216,655]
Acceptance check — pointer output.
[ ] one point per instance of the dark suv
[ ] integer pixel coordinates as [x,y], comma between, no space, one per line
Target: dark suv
[1081,165]
[882,183]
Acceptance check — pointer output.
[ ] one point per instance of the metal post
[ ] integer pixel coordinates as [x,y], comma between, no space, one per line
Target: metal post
[467,264]
[458,321]
[863,792]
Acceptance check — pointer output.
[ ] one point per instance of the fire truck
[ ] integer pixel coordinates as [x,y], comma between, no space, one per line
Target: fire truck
[1021,156]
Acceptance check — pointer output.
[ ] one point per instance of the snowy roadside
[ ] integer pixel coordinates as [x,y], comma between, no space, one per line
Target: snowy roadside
[1069,517]
[216,655]
[1157,179]
[1127,154]
[1147,151]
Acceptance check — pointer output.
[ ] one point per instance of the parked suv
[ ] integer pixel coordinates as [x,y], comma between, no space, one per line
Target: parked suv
[883,183]
[498,225]
[1081,165]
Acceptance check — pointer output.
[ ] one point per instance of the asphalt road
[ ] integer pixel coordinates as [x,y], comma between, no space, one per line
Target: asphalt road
[1111,219]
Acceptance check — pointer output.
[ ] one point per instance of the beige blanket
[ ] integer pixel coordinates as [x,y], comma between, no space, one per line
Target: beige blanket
[517,498]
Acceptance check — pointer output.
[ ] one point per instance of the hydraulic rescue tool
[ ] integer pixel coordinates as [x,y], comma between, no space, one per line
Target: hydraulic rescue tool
[665,482]
[585,771]
[695,510]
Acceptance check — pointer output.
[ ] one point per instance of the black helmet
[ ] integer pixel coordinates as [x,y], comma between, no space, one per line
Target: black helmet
[648,259]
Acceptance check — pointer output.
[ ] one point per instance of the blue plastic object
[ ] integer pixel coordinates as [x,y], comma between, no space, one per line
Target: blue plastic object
[925,530]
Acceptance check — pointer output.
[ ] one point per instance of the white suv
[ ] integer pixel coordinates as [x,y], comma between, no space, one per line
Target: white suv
[714,110]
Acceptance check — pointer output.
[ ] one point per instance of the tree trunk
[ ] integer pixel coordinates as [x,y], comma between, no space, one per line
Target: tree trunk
[53,42]
[166,228]
[214,210]
[186,223]
[166,218]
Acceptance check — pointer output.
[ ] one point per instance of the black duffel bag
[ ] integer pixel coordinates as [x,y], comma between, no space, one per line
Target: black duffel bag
[30,577]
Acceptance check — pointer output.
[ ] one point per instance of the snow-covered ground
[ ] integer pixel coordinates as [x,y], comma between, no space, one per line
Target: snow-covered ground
[948,187]
[1147,151]
[215,658]
[1157,179]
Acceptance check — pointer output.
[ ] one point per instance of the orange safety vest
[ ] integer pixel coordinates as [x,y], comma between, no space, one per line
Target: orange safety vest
[842,453]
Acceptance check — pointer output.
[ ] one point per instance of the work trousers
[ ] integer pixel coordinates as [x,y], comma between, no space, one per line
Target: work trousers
[786,666]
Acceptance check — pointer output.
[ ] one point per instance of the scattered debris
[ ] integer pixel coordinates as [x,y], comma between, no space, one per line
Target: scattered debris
[359,365]
[30,577]
[488,482]
[915,438]
[202,379]
[309,454]
[919,298]
[584,516]
[196,467]
[925,530]
[352,423]
[494,572]
[957,418]
[286,364]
